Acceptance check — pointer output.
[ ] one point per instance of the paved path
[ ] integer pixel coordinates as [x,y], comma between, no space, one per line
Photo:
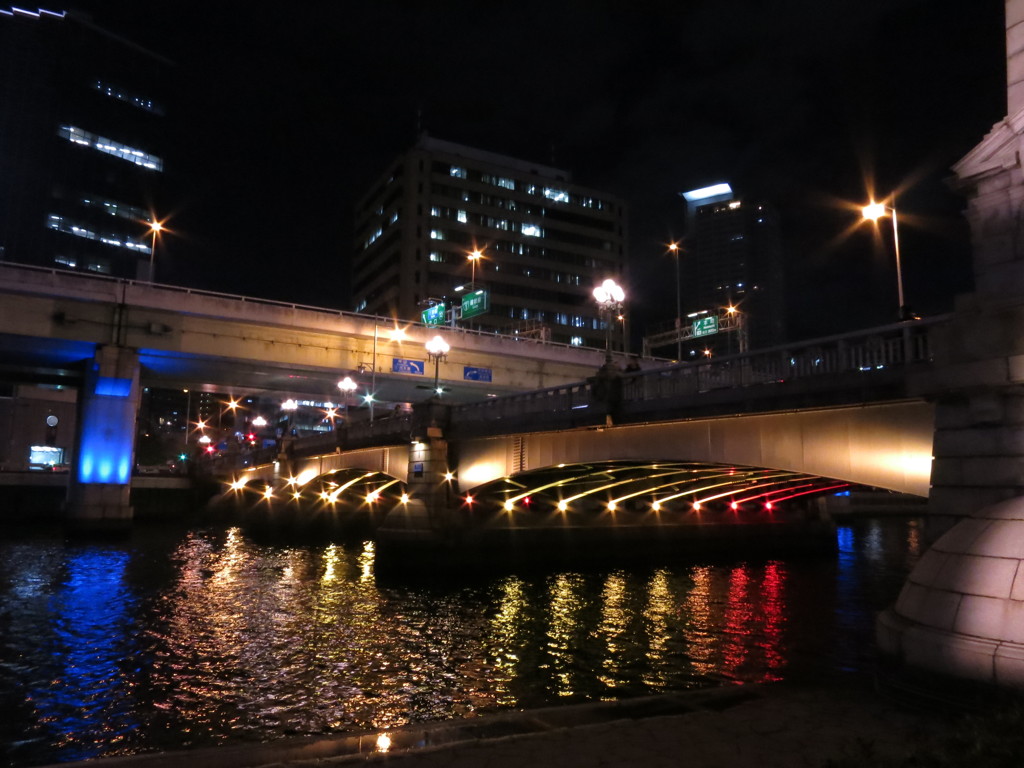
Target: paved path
[761,726]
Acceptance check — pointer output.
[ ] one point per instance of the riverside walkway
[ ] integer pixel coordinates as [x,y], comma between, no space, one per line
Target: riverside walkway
[760,726]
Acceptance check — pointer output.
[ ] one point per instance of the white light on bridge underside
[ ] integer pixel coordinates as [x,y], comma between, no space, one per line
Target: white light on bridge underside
[305,476]
[481,472]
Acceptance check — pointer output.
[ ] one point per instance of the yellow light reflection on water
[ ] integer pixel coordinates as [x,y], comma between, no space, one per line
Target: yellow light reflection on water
[661,605]
[613,629]
[508,634]
[366,559]
[565,605]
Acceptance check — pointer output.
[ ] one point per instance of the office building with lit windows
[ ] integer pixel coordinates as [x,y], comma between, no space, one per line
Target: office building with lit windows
[733,257]
[544,241]
[81,127]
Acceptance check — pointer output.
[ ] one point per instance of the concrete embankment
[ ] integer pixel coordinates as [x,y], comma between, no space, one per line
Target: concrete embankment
[761,726]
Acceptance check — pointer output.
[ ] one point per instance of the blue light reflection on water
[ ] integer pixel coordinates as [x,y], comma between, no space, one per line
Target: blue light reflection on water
[205,637]
[67,619]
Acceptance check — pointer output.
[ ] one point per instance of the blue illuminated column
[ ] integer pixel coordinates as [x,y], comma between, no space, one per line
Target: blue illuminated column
[100,485]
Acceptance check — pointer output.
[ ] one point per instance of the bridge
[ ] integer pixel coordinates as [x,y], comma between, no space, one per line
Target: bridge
[856,407]
[839,407]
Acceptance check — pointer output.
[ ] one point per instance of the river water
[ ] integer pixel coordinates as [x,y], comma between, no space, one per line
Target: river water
[183,638]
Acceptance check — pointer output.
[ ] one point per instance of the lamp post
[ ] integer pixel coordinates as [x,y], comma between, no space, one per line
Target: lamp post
[674,247]
[347,387]
[610,296]
[875,211]
[474,256]
[155,228]
[437,349]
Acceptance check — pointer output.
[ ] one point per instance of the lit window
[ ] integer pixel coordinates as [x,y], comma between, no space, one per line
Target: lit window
[435,210]
[505,183]
[437,234]
[394,217]
[115,92]
[60,224]
[99,265]
[120,210]
[457,172]
[576,341]
[111,147]
[373,238]
[67,261]
[461,216]
[531,189]
[556,195]
[532,230]
[361,306]
[436,256]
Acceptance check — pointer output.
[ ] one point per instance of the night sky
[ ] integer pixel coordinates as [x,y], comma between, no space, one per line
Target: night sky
[282,116]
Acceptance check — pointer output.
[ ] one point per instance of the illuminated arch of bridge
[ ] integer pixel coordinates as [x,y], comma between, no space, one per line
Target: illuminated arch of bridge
[644,487]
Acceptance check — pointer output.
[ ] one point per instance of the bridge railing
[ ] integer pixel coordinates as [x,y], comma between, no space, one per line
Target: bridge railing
[145,293]
[885,348]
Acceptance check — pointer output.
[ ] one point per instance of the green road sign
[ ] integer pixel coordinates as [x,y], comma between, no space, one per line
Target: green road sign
[476,303]
[434,315]
[705,326]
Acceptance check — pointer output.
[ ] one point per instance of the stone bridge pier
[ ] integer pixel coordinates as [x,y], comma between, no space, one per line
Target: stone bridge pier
[961,611]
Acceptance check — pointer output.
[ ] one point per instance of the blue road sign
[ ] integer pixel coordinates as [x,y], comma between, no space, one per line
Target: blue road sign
[416,367]
[469,373]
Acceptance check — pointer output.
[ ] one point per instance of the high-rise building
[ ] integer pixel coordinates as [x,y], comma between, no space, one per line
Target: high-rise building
[81,127]
[734,258]
[543,242]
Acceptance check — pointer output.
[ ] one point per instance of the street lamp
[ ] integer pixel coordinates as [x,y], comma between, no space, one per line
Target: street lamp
[610,296]
[347,387]
[875,211]
[674,247]
[155,228]
[437,349]
[474,256]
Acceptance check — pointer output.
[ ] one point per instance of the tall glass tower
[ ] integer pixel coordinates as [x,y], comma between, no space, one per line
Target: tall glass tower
[81,144]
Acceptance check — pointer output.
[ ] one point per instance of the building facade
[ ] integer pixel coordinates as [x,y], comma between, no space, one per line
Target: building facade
[544,243]
[81,137]
[733,258]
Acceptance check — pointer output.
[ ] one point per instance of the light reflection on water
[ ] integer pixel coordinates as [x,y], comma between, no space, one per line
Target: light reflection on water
[207,636]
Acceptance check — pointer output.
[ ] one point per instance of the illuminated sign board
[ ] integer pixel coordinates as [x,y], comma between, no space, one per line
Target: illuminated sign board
[705,326]
[434,315]
[476,303]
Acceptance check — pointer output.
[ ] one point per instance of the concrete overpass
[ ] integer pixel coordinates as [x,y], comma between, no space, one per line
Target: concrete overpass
[54,320]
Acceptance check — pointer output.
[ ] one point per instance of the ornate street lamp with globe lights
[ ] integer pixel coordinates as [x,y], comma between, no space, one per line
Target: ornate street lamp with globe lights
[437,350]
[610,296]
[347,387]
